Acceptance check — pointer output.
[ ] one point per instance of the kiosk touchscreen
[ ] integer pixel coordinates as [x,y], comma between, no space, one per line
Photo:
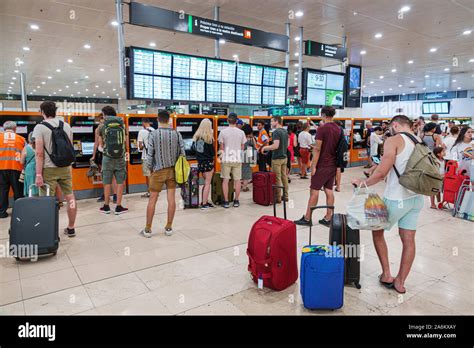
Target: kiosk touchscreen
[188,125]
[25,122]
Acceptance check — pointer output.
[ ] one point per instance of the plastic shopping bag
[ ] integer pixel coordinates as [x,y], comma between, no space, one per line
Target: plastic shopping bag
[367,211]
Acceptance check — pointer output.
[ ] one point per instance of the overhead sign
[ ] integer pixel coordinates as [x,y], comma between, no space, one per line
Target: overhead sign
[318,49]
[155,17]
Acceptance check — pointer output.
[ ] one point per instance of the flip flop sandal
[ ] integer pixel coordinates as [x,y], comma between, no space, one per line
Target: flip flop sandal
[400,292]
[385,284]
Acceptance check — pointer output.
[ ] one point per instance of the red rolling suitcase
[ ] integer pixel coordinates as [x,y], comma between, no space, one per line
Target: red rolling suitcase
[452,182]
[272,251]
[262,187]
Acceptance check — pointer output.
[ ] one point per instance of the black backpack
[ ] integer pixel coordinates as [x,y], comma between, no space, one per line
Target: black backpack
[342,152]
[62,154]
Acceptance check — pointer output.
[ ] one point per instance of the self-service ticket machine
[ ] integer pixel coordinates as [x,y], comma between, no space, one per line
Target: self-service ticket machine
[25,121]
[358,151]
[136,182]
[83,132]
[187,125]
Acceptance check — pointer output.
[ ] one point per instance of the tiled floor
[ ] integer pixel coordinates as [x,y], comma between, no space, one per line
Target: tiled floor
[202,269]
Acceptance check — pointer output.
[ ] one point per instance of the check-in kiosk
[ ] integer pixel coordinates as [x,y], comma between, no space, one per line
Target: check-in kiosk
[83,138]
[25,121]
[187,125]
[136,182]
[358,151]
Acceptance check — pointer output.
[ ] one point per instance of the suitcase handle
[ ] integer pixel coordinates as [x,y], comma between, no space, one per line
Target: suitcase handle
[274,187]
[311,217]
[30,189]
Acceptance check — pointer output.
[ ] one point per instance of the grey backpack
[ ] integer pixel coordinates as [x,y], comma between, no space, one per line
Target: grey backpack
[422,171]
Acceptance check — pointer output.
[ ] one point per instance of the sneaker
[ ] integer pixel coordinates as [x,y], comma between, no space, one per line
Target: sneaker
[236,204]
[210,205]
[146,233]
[101,199]
[205,206]
[168,231]
[105,209]
[115,198]
[120,210]
[226,205]
[146,195]
[4,215]
[70,232]
[303,177]
[325,222]
[303,222]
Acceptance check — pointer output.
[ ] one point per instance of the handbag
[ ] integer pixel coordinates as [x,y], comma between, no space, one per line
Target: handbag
[22,174]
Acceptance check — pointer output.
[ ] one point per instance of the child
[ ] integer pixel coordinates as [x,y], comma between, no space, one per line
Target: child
[440,153]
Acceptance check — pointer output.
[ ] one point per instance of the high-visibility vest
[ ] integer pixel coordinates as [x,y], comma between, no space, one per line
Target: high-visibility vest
[11,145]
[260,141]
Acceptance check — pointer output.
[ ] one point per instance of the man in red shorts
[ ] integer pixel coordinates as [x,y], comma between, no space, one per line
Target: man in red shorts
[323,166]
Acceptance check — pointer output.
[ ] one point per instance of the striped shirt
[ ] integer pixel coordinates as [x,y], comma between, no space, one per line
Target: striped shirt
[165,145]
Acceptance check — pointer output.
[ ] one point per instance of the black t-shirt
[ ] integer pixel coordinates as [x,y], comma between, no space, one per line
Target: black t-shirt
[204,151]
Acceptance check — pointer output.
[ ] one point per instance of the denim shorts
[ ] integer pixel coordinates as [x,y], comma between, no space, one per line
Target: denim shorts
[404,212]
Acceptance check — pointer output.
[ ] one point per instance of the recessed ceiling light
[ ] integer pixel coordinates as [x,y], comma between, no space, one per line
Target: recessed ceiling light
[16,71]
[454,81]
[434,49]
[114,89]
[467,32]
[152,44]
[424,88]
[299,14]
[413,91]
[394,70]
[446,69]
[38,87]
[363,52]
[114,23]
[87,46]
[93,95]
[34,90]
[96,86]
[54,92]
[103,92]
[297,65]
[69,60]
[390,89]
[13,78]
[459,87]
[78,92]
[109,81]
[381,77]
[410,62]
[375,94]
[50,77]
[297,38]
[378,35]
[444,91]
[364,86]
[26,48]
[12,83]
[49,95]
[297,54]
[117,95]
[86,77]
[87,89]
[221,41]
[67,86]
[235,56]
[60,90]
[34,27]
[382,92]
[426,76]
[471,60]
[102,69]
[437,85]
[412,81]
[371,82]
[43,83]
[75,82]
[405,9]
[58,70]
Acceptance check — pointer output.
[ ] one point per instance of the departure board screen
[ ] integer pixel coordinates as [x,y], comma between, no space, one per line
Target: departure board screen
[321,88]
[171,76]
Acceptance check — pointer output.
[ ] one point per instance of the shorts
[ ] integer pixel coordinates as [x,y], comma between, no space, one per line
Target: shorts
[162,177]
[61,177]
[405,212]
[231,168]
[98,158]
[113,167]
[324,177]
[205,166]
[145,170]
[304,154]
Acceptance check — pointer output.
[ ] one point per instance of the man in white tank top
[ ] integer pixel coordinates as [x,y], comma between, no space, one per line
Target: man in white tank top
[403,205]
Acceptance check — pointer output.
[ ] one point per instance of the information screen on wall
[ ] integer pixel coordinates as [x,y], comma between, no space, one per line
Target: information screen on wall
[353,87]
[170,76]
[321,88]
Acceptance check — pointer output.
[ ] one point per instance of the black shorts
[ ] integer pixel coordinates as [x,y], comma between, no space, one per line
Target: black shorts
[205,166]
[98,158]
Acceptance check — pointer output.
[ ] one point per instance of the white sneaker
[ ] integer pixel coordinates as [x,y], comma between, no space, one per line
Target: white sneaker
[146,233]
[168,231]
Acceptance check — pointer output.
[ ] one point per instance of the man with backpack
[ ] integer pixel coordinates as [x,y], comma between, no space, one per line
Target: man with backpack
[142,139]
[113,139]
[54,157]
[404,158]
[324,165]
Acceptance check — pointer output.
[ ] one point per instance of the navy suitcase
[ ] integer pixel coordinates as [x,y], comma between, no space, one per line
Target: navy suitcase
[34,227]
[322,275]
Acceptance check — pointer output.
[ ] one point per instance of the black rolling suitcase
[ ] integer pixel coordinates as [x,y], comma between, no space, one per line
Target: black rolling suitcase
[34,227]
[349,240]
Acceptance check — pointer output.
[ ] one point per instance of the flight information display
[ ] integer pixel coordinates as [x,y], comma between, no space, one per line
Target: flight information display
[170,76]
[323,88]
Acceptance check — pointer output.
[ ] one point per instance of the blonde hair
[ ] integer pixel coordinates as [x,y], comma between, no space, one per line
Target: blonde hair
[204,132]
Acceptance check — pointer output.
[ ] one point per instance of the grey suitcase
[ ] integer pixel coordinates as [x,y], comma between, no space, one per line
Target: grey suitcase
[34,227]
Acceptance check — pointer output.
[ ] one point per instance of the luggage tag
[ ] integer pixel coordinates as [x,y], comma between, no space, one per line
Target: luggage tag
[260,281]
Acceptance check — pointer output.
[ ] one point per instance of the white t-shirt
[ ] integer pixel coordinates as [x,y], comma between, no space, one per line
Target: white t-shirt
[42,132]
[143,137]
[449,142]
[305,140]
[233,138]
[459,154]
[375,140]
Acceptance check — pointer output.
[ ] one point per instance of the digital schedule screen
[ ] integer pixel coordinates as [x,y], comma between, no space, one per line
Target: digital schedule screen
[323,88]
[171,76]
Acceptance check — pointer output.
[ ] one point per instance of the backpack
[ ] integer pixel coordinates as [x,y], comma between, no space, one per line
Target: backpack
[62,152]
[114,137]
[342,152]
[148,138]
[422,171]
